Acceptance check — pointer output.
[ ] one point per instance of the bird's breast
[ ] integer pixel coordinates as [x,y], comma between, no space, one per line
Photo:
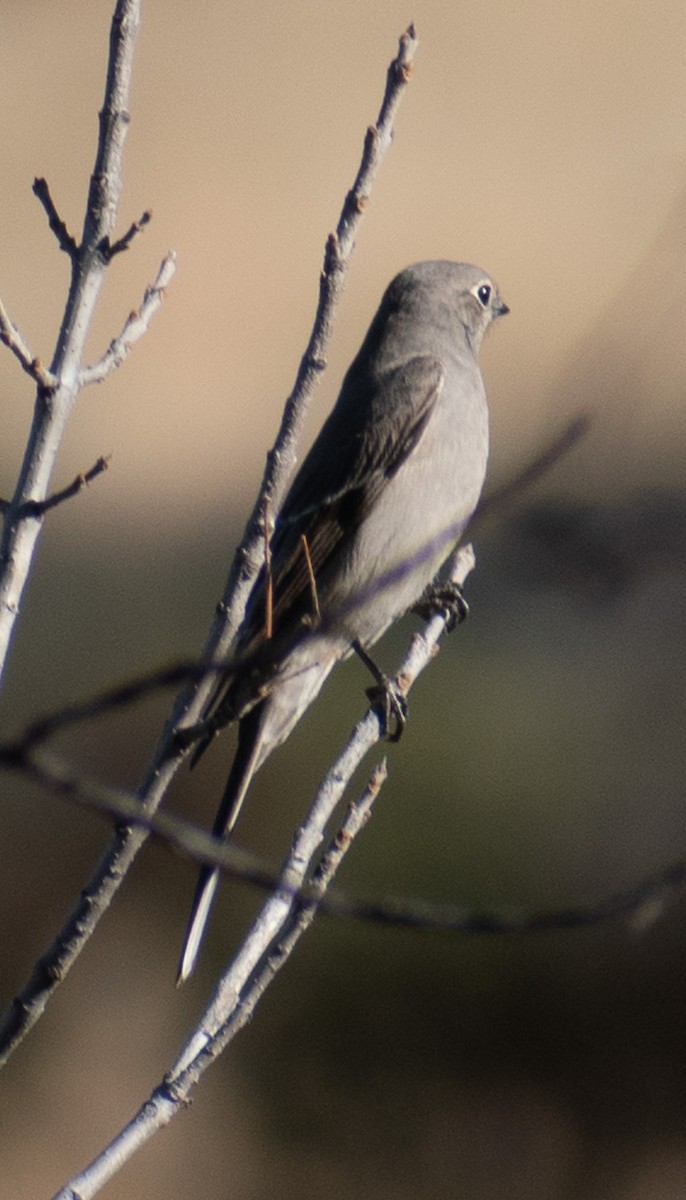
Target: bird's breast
[418,516]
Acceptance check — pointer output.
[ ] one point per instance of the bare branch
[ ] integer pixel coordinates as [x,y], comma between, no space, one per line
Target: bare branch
[58,390]
[377,141]
[10,335]
[136,325]
[65,240]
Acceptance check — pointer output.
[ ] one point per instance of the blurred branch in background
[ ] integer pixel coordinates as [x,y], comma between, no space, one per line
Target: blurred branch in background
[539,466]
[28,757]
[115,862]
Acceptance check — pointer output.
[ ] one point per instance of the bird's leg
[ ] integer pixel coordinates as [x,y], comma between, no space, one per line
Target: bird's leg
[389,701]
[447,598]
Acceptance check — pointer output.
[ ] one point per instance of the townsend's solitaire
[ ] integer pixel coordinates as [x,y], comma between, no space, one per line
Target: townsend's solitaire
[380,501]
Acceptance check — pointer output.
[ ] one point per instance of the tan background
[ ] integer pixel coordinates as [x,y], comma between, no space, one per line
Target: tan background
[544,763]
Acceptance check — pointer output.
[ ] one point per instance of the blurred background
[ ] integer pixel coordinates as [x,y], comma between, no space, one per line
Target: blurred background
[543,765]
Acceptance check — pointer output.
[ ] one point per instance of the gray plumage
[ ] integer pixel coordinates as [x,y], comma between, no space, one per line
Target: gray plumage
[378,504]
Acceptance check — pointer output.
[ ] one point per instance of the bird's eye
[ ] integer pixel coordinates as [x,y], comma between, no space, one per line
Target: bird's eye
[483,293]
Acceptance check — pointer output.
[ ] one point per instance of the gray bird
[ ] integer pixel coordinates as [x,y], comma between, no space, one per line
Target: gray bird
[377,506]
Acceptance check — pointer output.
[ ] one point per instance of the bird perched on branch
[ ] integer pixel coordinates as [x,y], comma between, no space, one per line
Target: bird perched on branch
[380,501]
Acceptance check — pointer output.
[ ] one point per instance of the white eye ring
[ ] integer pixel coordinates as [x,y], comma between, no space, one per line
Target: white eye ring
[483,292]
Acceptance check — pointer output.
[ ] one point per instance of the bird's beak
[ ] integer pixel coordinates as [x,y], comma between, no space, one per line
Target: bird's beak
[502,309]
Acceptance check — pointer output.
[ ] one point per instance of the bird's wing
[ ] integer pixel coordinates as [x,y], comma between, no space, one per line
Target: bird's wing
[375,426]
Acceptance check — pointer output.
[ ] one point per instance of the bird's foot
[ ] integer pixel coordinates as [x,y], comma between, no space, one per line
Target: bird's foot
[446,598]
[388,700]
[391,707]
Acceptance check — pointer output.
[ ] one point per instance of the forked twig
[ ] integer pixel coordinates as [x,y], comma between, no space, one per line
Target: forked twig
[136,325]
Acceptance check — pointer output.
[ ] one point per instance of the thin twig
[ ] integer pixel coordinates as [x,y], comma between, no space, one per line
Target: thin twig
[124,242]
[10,335]
[188,709]
[36,508]
[135,326]
[55,398]
[65,240]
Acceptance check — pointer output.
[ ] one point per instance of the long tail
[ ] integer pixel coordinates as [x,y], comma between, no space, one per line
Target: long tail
[240,776]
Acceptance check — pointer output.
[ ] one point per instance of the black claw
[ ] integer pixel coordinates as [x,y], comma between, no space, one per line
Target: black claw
[447,598]
[390,704]
[391,707]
